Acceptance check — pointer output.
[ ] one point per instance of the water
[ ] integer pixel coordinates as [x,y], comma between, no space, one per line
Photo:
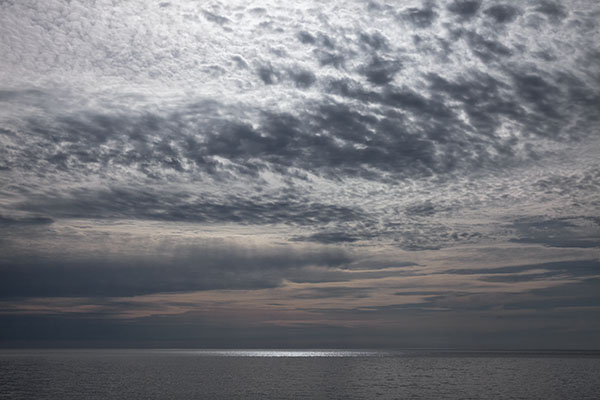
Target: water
[320,374]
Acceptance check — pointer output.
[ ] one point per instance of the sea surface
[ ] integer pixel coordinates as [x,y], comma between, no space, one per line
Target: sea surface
[297,374]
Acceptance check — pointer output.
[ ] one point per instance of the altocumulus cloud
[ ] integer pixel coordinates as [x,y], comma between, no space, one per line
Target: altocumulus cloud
[358,142]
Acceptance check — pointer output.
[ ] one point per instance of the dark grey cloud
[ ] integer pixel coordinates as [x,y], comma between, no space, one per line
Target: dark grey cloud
[464,8]
[466,330]
[267,74]
[424,209]
[217,19]
[334,59]
[325,49]
[306,37]
[574,295]
[240,61]
[423,293]
[344,273]
[554,303]
[380,71]
[375,41]
[282,141]
[412,135]
[139,203]
[326,41]
[302,78]
[487,106]
[577,232]
[502,13]
[334,292]
[510,278]
[539,93]
[16,221]
[554,10]
[90,331]
[574,268]
[8,95]
[583,293]
[416,231]
[207,266]
[420,17]
[485,49]
[327,238]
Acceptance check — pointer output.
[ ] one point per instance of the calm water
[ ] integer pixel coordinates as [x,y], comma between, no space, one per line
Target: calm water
[256,374]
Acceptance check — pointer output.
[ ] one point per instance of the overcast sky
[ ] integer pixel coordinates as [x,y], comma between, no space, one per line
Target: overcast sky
[300,174]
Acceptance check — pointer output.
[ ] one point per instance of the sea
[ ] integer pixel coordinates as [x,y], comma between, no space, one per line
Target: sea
[298,374]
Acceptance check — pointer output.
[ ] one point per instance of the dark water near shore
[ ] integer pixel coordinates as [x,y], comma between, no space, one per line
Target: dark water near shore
[268,374]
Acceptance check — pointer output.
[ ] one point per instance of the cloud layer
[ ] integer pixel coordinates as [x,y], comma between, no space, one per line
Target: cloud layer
[232,149]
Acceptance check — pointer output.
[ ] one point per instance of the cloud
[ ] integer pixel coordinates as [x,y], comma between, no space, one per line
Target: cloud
[568,183]
[502,13]
[572,295]
[380,71]
[424,209]
[267,74]
[302,78]
[446,134]
[181,268]
[334,292]
[327,238]
[306,37]
[139,203]
[573,268]
[414,120]
[464,8]
[486,50]
[375,40]
[420,17]
[536,91]
[575,232]
[554,10]
[217,19]
[11,221]
[327,58]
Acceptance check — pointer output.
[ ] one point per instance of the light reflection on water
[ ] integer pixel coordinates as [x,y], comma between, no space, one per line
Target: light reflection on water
[406,353]
[281,353]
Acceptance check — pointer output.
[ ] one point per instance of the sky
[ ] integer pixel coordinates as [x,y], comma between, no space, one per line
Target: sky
[264,174]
